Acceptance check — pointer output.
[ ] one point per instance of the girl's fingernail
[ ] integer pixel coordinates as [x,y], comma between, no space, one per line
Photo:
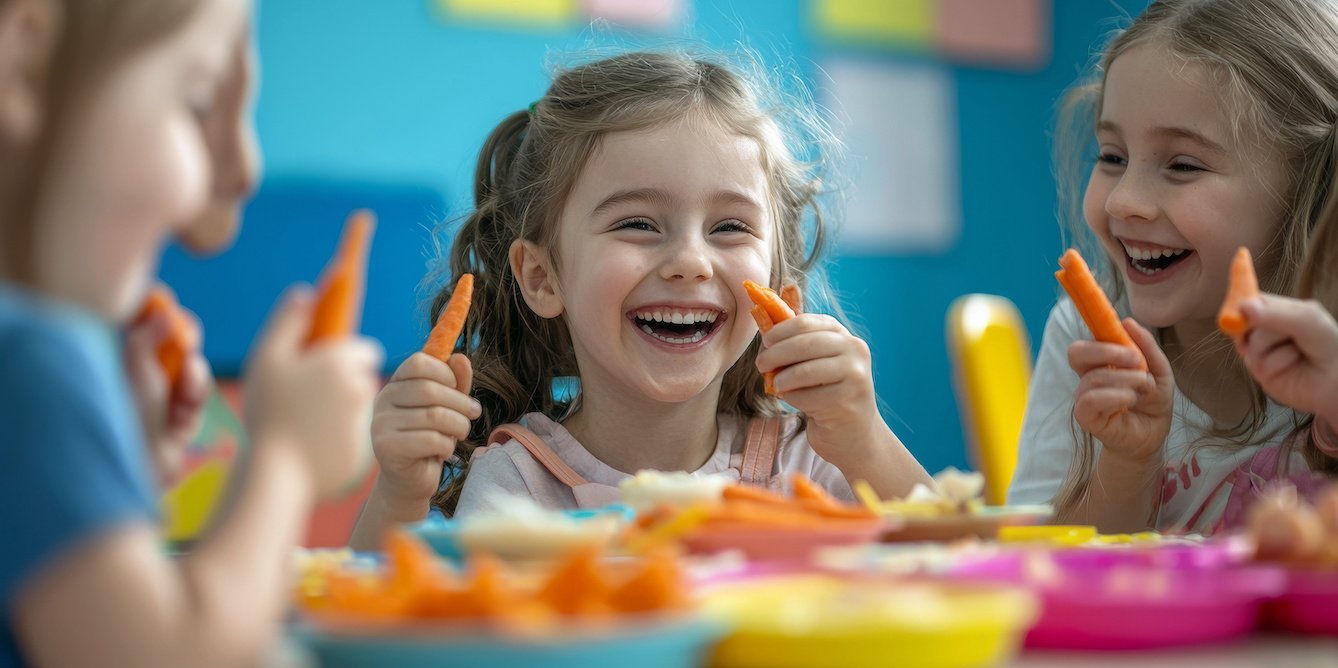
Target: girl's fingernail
[475,408]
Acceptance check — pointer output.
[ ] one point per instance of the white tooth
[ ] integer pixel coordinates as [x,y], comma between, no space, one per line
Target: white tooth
[689,318]
[678,318]
[710,316]
[655,315]
[647,329]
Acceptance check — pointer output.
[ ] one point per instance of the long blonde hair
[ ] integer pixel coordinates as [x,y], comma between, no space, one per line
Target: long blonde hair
[527,169]
[1278,60]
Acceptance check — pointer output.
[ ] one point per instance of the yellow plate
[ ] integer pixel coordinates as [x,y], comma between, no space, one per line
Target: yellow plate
[816,620]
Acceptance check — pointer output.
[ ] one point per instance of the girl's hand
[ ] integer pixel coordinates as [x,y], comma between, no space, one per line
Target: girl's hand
[1127,409]
[418,418]
[826,372]
[315,399]
[1292,351]
[171,415]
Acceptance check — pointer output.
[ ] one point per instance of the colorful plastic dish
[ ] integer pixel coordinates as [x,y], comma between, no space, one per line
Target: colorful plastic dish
[447,539]
[1111,601]
[816,620]
[663,643]
[782,545]
[1308,604]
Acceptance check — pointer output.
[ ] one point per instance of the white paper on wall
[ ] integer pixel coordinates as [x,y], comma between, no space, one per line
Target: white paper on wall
[899,123]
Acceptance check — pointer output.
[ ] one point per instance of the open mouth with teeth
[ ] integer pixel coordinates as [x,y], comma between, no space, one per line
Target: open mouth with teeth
[1151,262]
[678,326]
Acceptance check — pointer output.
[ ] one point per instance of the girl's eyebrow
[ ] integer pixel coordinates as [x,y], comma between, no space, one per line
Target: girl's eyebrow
[646,195]
[1169,132]
[662,198]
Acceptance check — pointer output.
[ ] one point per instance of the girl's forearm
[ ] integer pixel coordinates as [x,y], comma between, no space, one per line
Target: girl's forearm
[379,514]
[884,462]
[1122,496]
[237,580]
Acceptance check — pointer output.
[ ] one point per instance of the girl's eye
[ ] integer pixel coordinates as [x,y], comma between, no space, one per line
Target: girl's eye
[1185,167]
[733,225]
[635,224]
[1109,158]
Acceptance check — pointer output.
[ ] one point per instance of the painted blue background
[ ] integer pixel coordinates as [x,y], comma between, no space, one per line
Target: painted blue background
[384,105]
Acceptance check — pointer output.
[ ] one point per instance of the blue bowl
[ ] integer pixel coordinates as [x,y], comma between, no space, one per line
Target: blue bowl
[676,643]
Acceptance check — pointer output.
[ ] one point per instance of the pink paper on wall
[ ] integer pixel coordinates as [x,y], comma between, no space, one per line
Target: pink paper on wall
[657,14]
[1005,32]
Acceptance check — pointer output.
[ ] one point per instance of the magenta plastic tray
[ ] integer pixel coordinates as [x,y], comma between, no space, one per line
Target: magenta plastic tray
[1134,599]
[1309,604]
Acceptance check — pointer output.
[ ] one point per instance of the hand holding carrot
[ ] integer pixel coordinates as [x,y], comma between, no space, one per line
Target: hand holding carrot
[1122,405]
[822,369]
[424,411]
[314,400]
[1291,349]
[170,379]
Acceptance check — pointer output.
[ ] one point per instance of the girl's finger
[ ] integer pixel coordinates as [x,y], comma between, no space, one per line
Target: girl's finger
[1158,365]
[435,418]
[1086,355]
[800,324]
[1098,407]
[1306,321]
[1271,364]
[424,366]
[1139,381]
[415,444]
[816,373]
[802,348]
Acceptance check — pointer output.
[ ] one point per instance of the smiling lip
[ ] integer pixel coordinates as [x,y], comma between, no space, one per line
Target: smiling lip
[678,327]
[1147,263]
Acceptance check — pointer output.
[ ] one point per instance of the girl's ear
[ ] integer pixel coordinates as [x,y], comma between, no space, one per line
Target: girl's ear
[27,32]
[534,272]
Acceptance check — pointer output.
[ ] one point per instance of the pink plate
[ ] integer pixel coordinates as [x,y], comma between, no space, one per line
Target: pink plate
[1123,604]
[1309,604]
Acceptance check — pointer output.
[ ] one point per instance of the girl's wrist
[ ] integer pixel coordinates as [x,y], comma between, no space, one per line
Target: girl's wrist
[397,507]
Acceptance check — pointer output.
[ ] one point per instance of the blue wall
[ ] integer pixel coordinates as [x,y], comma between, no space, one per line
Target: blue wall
[382,104]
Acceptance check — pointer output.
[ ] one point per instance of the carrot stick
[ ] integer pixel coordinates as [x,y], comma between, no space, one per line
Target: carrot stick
[1091,302]
[441,340]
[770,309]
[790,295]
[752,494]
[182,339]
[1244,285]
[768,299]
[339,302]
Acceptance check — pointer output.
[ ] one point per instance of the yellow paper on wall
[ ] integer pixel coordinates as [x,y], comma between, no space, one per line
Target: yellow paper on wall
[529,12]
[901,22]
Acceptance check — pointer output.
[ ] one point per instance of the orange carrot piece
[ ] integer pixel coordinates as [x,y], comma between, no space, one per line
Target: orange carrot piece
[578,587]
[339,302]
[768,299]
[790,295]
[752,494]
[814,498]
[658,586]
[770,309]
[1243,285]
[1091,302]
[182,339]
[441,340]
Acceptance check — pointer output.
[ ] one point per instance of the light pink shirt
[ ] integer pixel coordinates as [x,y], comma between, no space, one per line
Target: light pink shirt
[509,469]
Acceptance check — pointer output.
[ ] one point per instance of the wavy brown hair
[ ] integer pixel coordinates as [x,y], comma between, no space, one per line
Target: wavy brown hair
[528,167]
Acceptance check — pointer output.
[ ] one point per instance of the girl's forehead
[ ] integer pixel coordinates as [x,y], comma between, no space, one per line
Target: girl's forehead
[1151,90]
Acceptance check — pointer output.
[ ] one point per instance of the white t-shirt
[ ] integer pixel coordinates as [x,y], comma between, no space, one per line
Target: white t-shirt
[1196,480]
[511,470]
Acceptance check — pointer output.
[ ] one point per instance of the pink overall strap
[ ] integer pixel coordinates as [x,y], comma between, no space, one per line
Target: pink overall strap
[759,451]
[539,450]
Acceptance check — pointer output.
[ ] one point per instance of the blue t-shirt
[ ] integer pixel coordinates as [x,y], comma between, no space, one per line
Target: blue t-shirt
[72,458]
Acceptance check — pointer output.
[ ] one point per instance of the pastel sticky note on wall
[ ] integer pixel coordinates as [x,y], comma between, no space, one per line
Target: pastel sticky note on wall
[519,12]
[900,122]
[903,23]
[995,32]
[655,14]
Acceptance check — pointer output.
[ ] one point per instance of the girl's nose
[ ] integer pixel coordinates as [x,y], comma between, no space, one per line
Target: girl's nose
[686,258]
[1132,198]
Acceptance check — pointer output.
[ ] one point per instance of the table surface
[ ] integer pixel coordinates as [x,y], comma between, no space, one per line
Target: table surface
[1259,651]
